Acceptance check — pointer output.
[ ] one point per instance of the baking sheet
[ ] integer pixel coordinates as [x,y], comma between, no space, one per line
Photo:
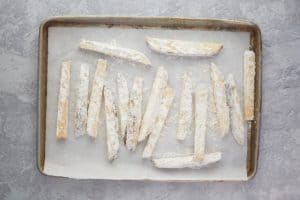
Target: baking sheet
[86,158]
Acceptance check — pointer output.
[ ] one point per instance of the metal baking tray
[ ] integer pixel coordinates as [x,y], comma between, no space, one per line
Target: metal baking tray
[157,22]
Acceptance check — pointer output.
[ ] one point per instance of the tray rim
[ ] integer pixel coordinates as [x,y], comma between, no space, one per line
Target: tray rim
[162,22]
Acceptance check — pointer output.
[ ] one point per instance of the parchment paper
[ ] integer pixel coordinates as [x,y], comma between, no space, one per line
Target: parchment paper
[85,158]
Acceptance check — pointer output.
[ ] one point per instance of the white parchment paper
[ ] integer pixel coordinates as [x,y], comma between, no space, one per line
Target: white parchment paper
[85,158]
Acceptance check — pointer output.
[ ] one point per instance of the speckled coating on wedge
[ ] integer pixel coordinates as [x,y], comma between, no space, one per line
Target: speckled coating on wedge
[96,99]
[183,48]
[112,137]
[164,107]
[236,115]
[159,84]
[187,161]
[135,114]
[201,106]
[115,51]
[63,101]
[185,108]
[81,113]
[249,80]
[218,85]
[123,100]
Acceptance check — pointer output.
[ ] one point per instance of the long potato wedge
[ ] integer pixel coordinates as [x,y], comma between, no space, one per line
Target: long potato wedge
[185,108]
[111,125]
[81,113]
[167,99]
[63,101]
[135,114]
[236,115]
[201,106]
[159,84]
[218,85]
[114,51]
[249,80]
[96,99]
[188,161]
[183,48]
[123,100]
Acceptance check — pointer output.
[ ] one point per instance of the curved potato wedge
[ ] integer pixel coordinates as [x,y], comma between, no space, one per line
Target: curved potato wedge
[183,48]
[189,161]
[114,51]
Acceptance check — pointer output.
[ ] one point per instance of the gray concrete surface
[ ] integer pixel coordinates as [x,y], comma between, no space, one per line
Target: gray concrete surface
[278,175]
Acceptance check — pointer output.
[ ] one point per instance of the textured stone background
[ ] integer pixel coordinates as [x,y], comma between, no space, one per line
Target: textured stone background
[278,175]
